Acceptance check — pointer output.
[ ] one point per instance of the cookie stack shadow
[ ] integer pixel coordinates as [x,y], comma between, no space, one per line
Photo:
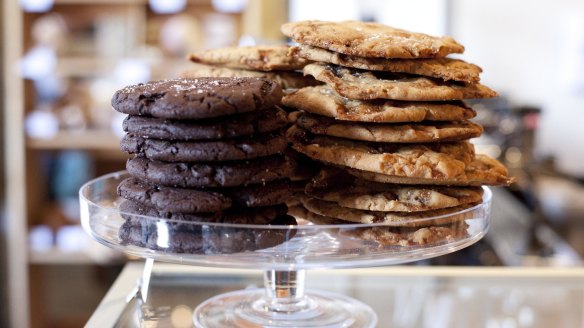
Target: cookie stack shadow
[208,150]
[392,127]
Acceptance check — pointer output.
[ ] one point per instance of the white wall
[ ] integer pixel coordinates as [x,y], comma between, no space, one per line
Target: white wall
[533,52]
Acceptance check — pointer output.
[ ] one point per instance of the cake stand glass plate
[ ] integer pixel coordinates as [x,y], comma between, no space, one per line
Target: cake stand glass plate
[284,252]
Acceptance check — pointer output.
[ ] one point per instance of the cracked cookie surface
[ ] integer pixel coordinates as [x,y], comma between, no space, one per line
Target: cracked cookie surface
[367,39]
[215,128]
[197,98]
[205,151]
[366,85]
[335,185]
[260,58]
[323,100]
[385,132]
[429,160]
[183,200]
[442,68]
[228,174]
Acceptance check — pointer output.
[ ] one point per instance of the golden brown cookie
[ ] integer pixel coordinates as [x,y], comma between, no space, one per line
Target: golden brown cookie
[259,58]
[337,186]
[392,235]
[325,101]
[430,161]
[369,39]
[442,68]
[398,236]
[286,79]
[386,132]
[483,170]
[358,84]
[403,219]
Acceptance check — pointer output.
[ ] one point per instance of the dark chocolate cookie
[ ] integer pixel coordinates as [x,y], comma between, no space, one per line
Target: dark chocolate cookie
[216,128]
[173,199]
[228,174]
[276,192]
[181,200]
[204,239]
[237,215]
[202,151]
[197,98]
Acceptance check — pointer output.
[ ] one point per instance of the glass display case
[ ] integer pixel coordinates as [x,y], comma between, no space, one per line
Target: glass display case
[403,296]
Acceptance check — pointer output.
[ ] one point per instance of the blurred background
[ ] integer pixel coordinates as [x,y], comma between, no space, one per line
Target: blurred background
[63,59]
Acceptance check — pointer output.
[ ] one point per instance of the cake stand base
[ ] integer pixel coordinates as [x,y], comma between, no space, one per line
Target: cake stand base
[283,304]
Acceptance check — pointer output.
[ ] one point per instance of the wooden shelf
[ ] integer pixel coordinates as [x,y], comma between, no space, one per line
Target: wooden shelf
[118,2]
[54,256]
[83,140]
[89,67]
[84,66]
[93,2]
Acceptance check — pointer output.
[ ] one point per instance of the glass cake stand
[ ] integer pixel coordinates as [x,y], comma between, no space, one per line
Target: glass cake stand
[284,252]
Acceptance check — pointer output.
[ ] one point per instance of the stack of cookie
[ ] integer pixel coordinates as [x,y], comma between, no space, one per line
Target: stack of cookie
[270,62]
[391,117]
[208,149]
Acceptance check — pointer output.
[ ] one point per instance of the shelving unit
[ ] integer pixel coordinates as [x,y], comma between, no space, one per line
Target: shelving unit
[86,65]
[86,140]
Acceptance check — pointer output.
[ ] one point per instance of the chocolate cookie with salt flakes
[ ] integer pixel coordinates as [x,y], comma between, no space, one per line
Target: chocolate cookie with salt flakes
[205,151]
[200,175]
[197,98]
[182,200]
[246,124]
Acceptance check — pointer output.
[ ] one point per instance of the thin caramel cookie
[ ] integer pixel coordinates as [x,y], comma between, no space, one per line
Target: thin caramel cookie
[430,161]
[385,132]
[403,219]
[286,79]
[446,69]
[325,101]
[398,236]
[483,170]
[358,84]
[259,58]
[336,185]
[394,236]
[370,39]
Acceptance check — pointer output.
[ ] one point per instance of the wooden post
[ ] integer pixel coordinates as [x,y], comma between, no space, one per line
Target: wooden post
[262,20]
[14,167]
